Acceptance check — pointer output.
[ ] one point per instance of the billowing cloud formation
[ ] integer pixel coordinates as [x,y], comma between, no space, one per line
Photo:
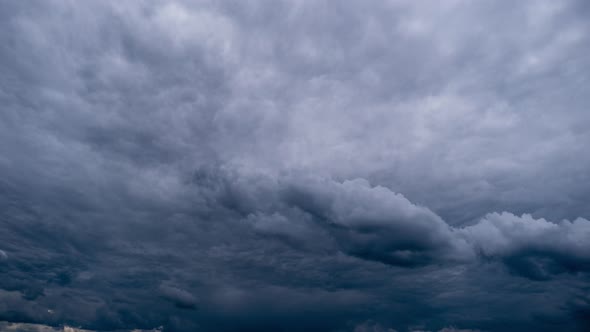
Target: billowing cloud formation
[375,223]
[535,248]
[283,165]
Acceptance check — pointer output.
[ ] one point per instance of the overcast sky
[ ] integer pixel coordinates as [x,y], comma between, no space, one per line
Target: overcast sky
[361,166]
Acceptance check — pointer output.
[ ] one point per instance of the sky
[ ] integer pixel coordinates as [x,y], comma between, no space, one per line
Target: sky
[269,165]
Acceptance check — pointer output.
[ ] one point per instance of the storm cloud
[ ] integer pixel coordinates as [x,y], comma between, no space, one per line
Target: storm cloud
[294,165]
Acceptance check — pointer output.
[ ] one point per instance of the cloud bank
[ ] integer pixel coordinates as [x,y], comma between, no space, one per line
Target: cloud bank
[295,166]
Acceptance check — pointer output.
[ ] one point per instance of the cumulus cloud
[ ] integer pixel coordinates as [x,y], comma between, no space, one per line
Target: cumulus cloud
[370,222]
[374,222]
[532,247]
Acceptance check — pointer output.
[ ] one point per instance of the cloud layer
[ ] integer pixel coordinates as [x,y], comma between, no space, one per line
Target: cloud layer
[282,165]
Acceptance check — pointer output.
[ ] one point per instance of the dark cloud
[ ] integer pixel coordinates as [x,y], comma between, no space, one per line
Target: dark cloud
[532,247]
[180,298]
[295,166]
[376,223]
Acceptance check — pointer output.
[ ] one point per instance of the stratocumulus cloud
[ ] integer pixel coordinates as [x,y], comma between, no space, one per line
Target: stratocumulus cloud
[294,166]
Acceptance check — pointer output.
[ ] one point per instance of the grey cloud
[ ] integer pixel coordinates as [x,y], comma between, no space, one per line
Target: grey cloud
[376,223]
[367,221]
[179,297]
[294,165]
[533,247]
